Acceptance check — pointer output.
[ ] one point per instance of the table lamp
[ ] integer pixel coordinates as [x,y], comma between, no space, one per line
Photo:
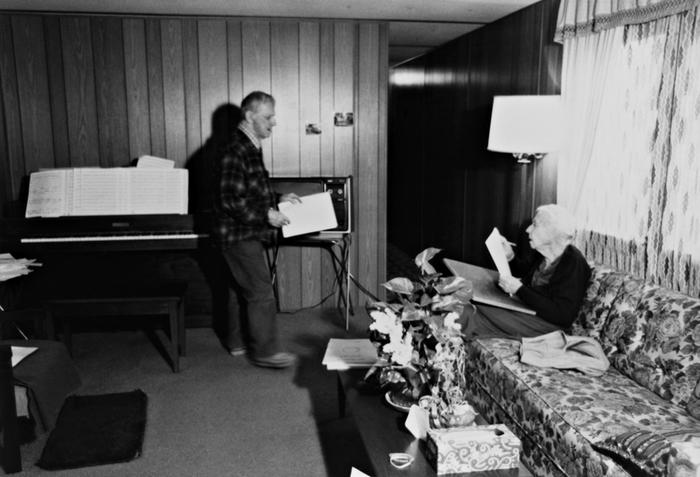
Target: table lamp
[527,126]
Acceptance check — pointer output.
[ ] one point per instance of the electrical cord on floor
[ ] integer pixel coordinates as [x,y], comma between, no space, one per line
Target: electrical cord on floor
[323,300]
[359,286]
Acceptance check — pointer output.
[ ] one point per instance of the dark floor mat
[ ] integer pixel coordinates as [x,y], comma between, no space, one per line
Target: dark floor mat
[96,430]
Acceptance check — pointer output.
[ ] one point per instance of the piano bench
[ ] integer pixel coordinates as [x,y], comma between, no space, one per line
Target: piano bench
[122,299]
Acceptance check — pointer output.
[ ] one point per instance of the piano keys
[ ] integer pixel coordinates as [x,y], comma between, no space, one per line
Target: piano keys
[103,233]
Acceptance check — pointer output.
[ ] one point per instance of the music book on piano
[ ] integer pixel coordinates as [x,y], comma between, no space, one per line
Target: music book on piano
[107,191]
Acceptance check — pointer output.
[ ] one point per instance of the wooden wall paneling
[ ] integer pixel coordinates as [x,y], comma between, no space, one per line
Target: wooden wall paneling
[383,111]
[367,127]
[446,158]
[431,172]
[110,89]
[213,70]
[344,95]
[285,73]
[156,111]
[193,122]
[327,138]
[6,190]
[11,107]
[79,71]
[406,157]
[137,96]
[550,83]
[462,90]
[310,145]
[6,197]
[479,113]
[256,67]
[33,91]
[235,62]
[344,101]
[57,91]
[174,92]
[285,78]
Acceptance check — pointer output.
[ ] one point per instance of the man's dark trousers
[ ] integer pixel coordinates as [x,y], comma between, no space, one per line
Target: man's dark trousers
[246,260]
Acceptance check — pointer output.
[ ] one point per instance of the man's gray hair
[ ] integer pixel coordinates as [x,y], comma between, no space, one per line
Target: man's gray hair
[559,219]
[254,99]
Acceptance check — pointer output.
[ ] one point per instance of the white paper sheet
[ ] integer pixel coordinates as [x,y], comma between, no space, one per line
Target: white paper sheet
[313,214]
[21,352]
[494,243]
[357,473]
[349,353]
[155,162]
[418,422]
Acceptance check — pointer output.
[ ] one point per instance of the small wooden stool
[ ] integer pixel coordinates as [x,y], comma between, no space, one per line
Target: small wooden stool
[150,299]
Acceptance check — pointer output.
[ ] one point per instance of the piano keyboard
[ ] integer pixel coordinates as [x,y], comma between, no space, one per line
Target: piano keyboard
[110,238]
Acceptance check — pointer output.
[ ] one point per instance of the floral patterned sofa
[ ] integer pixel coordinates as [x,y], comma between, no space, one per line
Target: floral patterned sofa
[642,417]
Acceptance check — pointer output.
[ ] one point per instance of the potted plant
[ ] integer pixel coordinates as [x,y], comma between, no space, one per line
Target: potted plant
[417,333]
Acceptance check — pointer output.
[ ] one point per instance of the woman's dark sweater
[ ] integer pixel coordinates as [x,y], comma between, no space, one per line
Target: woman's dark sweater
[559,300]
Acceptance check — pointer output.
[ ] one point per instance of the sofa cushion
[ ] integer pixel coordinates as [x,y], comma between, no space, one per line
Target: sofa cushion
[612,295]
[567,409]
[660,349]
[601,292]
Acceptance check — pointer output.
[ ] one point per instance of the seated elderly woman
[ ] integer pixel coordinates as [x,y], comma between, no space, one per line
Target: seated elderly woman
[553,281]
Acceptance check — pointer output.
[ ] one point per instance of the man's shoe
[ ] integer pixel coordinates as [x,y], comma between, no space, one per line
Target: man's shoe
[277,360]
[238,351]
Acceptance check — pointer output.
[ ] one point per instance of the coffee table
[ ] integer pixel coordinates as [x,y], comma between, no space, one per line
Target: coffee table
[382,431]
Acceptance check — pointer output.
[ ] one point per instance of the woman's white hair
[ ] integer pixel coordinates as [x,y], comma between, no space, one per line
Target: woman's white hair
[558,219]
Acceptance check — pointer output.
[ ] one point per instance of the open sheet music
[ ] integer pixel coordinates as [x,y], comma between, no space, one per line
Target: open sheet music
[107,191]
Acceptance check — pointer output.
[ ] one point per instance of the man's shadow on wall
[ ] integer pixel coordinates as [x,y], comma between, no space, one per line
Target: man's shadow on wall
[203,189]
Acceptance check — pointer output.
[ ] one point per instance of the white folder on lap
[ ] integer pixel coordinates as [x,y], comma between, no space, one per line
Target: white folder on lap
[313,214]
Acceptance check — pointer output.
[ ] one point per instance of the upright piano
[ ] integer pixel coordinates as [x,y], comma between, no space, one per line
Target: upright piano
[81,251]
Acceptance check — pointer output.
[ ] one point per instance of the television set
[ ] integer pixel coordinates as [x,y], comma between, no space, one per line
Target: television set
[340,189]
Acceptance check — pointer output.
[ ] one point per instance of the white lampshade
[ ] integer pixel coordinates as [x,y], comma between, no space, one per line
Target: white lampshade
[526,124]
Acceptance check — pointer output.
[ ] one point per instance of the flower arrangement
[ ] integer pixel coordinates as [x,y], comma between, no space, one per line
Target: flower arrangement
[418,335]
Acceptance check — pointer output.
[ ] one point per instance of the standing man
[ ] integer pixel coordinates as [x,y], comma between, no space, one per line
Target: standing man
[245,218]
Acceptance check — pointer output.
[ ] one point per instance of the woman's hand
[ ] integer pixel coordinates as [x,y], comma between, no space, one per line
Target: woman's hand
[507,248]
[509,284]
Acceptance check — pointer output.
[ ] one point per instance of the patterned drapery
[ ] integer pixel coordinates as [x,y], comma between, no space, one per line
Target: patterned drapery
[678,265]
[629,171]
[583,17]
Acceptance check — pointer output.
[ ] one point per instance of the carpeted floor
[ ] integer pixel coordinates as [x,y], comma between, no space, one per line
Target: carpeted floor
[220,416]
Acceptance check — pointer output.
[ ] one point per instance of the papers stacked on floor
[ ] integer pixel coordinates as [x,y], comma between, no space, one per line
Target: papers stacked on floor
[11,267]
[349,353]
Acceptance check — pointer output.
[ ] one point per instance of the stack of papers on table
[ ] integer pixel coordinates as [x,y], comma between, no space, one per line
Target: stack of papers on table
[349,353]
[11,267]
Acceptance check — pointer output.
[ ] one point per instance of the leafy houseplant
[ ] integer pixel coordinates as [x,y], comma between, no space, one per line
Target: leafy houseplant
[418,336]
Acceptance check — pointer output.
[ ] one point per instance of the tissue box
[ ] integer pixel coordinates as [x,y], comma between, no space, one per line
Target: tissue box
[473,449]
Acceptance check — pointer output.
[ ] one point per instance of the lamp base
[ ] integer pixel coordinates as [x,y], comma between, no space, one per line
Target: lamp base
[526,157]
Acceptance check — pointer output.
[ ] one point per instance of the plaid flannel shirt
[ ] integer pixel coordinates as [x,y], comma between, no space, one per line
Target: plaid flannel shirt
[244,194]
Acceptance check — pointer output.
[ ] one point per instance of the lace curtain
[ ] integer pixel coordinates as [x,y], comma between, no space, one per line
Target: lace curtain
[629,172]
